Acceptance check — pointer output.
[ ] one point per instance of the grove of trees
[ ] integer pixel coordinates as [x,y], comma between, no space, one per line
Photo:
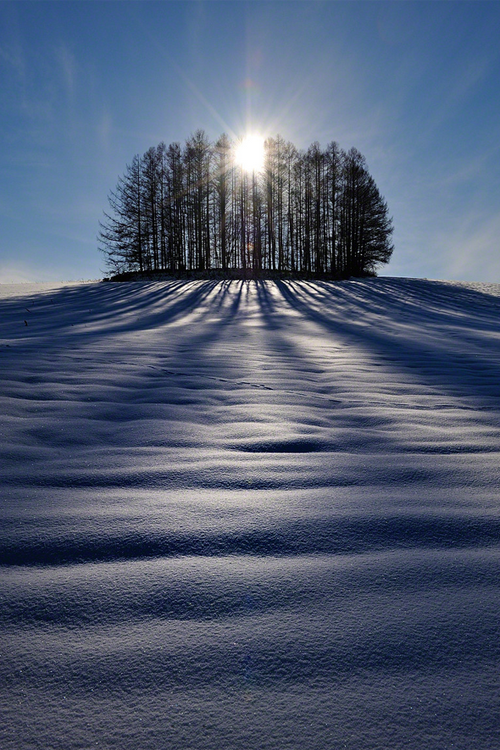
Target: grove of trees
[191,208]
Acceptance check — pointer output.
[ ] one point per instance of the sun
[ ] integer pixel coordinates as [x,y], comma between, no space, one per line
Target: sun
[249,153]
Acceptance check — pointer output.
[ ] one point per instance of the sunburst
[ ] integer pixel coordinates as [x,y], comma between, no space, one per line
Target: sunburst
[249,153]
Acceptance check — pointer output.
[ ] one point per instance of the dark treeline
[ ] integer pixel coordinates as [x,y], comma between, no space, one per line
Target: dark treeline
[192,208]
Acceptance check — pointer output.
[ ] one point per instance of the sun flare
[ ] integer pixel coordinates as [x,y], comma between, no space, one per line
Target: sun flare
[249,153]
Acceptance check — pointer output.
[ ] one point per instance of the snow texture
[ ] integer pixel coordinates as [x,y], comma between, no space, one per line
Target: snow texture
[241,515]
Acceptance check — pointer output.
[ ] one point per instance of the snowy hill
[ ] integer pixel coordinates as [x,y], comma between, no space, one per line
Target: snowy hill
[250,515]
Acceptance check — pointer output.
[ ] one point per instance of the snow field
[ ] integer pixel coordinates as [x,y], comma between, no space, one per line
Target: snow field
[250,515]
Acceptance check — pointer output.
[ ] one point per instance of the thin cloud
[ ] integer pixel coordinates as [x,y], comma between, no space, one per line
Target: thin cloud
[468,169]
[67,67]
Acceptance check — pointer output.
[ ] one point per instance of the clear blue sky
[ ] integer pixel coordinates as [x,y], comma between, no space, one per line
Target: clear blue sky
[415,86]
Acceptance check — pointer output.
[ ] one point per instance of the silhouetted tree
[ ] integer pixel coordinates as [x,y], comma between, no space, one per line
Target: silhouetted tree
[315,212]
[175,209]
[121,235]
[221,184]
[333,191]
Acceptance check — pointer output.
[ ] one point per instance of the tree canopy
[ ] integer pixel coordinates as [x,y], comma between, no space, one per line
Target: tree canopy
[192,208]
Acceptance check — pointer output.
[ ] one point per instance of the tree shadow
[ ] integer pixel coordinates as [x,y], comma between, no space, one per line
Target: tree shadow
[442,333]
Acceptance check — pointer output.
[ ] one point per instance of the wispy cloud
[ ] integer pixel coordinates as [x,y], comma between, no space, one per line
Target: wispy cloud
[461,85]
[471,168]
[66,62]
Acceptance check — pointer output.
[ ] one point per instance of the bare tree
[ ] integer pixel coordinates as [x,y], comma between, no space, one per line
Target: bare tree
[317,212]
[121,233]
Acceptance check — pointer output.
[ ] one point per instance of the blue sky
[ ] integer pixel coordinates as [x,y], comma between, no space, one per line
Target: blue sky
[413,85]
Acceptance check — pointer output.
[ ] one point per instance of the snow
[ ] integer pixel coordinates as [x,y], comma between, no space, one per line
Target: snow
[250,515]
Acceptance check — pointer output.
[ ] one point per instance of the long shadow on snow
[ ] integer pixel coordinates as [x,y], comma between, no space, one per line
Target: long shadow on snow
[442,302]
[307,538]
[464,377]
[59,317]
[226,308]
